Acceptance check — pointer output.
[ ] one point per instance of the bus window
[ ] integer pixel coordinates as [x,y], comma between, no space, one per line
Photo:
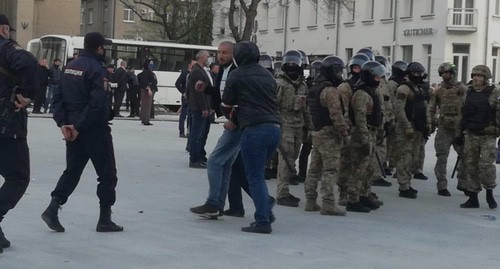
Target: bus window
[52,48]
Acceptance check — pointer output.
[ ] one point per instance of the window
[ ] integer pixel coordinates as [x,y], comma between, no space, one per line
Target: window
[353,12]
[314,17]
[494,65]
[222,22]
[296,16]
[370,5]
[386,51]
[461,60]
[280,16]
[428,56]
[128,15]
[265,16]
[389,10]
[407,53]
[331,11]
[497,7]
[91,16]
[151,15]
[407,7]
[432,2]
[348,53]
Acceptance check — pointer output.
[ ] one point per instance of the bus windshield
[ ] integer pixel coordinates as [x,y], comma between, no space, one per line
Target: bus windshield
[51,48]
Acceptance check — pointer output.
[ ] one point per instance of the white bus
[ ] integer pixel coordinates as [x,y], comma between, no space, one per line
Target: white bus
[169,58]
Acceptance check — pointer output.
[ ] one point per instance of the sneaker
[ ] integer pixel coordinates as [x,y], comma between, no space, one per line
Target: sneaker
[256,228]
[234,213]
[408,194]
[444,192]
[381,183]
[199,165]
[288,201]
[206,210]
[420,176]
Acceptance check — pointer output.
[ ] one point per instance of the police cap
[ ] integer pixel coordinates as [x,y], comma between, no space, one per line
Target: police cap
[5,21]
[93,40]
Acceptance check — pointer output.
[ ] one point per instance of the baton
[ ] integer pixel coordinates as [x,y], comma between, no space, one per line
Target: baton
[380,164]
[455,168]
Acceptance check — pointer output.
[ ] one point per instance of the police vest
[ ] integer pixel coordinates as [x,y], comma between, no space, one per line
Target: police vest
[376,117]
[416,110]
[478,112]
[319,114]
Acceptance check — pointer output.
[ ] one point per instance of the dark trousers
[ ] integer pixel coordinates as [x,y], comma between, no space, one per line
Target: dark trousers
[152,113]
[133,98]
[183,115]
[305,151]
[198,133]
[95,144]
[15,169]
[118,97]
[39,99]
[237,182]
[146,103]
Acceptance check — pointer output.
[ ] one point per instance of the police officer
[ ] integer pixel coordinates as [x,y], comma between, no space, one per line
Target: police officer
[346,90]
[412,125]
[366,118]
[444,108]
[291,94]
[82,110]
[330,131]
[480,122]
[17,67]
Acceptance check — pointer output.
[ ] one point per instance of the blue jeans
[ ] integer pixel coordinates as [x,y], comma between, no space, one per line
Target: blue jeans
[197,136]
[258,143]
[219,166]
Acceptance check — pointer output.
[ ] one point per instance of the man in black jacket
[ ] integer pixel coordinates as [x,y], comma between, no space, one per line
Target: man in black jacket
[253,89]
[180,84]
[43,82]
[121,79]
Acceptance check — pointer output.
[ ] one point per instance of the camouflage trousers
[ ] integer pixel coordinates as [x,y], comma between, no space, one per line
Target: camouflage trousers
[345,167]
[479,152]
[408,152]
[418,162]
[362,168]
[291,140]
[381,150]
[442,143]
[324,166]
[391,155]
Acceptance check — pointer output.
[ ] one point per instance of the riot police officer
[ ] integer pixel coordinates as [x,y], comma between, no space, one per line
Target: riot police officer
[17,67]
[82,110]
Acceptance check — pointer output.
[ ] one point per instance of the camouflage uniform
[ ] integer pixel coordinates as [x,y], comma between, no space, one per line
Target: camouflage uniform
[448,98]
[326,152]
[363,138]
[408,138]
[345,92]
[388,114]
[295,117]
[391,155]
[480,146]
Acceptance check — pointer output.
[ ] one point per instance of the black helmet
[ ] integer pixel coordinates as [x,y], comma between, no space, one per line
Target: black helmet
[416,72]
[332,67]
[358,59]
[369,71]
[314,68]
[292,57]
[368,52]
[398,68]
[382,60]
[447,67]
[266,61]
[305,59]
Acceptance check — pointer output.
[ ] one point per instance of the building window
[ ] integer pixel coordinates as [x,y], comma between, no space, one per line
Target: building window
[331,11]
[297,13]
[348,54]
[222,22]
[314,17]
[280,16]
[353,12]
[428,56]
[407,8]
[91,15]
[497,7]
[432,2]
[389,11]
[407,53]
[461,60]
[151,15]
[494,65]
[265,15]
[128,15]
[386,52]
[370,5]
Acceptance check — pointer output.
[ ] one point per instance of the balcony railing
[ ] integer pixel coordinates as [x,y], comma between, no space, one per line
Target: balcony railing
[462,19]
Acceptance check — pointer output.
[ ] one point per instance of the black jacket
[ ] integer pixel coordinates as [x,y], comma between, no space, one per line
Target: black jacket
[81,99]
[23,66]
[121,79]
[252,88]
[180,83]
[146,79]
[198,101]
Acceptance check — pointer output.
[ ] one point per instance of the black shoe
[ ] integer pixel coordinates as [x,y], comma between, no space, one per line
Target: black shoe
[50,217]
[197,165]
[288,201]
[473,202]
[369,202]
[490,199]
[147,123]
[408,194]
[105,224]
[357,207]
[444,192]
[388,171]
[375,197]
[183,135]
[207,210]
[37,112]
[381,183]
[4,243]
[234,213]
[272,218]
[413,190]
[297,199]
[255,228]
[420,176]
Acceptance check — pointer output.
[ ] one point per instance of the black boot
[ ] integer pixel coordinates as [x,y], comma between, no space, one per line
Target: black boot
[105,224]
[473,202]
[369,202]
[50,216]
[490,199]
[4,243]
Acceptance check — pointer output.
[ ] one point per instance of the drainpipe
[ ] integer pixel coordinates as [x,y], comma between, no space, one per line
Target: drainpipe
[285,26]
[487,32]
[337,34]
[395,19]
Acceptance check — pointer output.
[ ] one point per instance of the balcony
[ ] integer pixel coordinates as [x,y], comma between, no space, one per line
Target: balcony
[462,19]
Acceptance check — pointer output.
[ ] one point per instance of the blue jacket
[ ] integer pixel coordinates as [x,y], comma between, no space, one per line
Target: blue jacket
[22,65]
[81,99]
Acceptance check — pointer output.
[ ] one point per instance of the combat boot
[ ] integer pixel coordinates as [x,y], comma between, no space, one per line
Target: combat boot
[490,199]
[331,210]
[50,216]
[105,224]
[357,207]
[369,202]
[473,202]
[288,201]
[311,205]
[409,193]
[4,243]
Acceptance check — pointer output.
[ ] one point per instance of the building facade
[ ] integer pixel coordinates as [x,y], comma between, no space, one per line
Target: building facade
[427,31]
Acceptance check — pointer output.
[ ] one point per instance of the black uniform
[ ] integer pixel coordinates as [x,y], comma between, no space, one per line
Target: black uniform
[19,67]
[84,103]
